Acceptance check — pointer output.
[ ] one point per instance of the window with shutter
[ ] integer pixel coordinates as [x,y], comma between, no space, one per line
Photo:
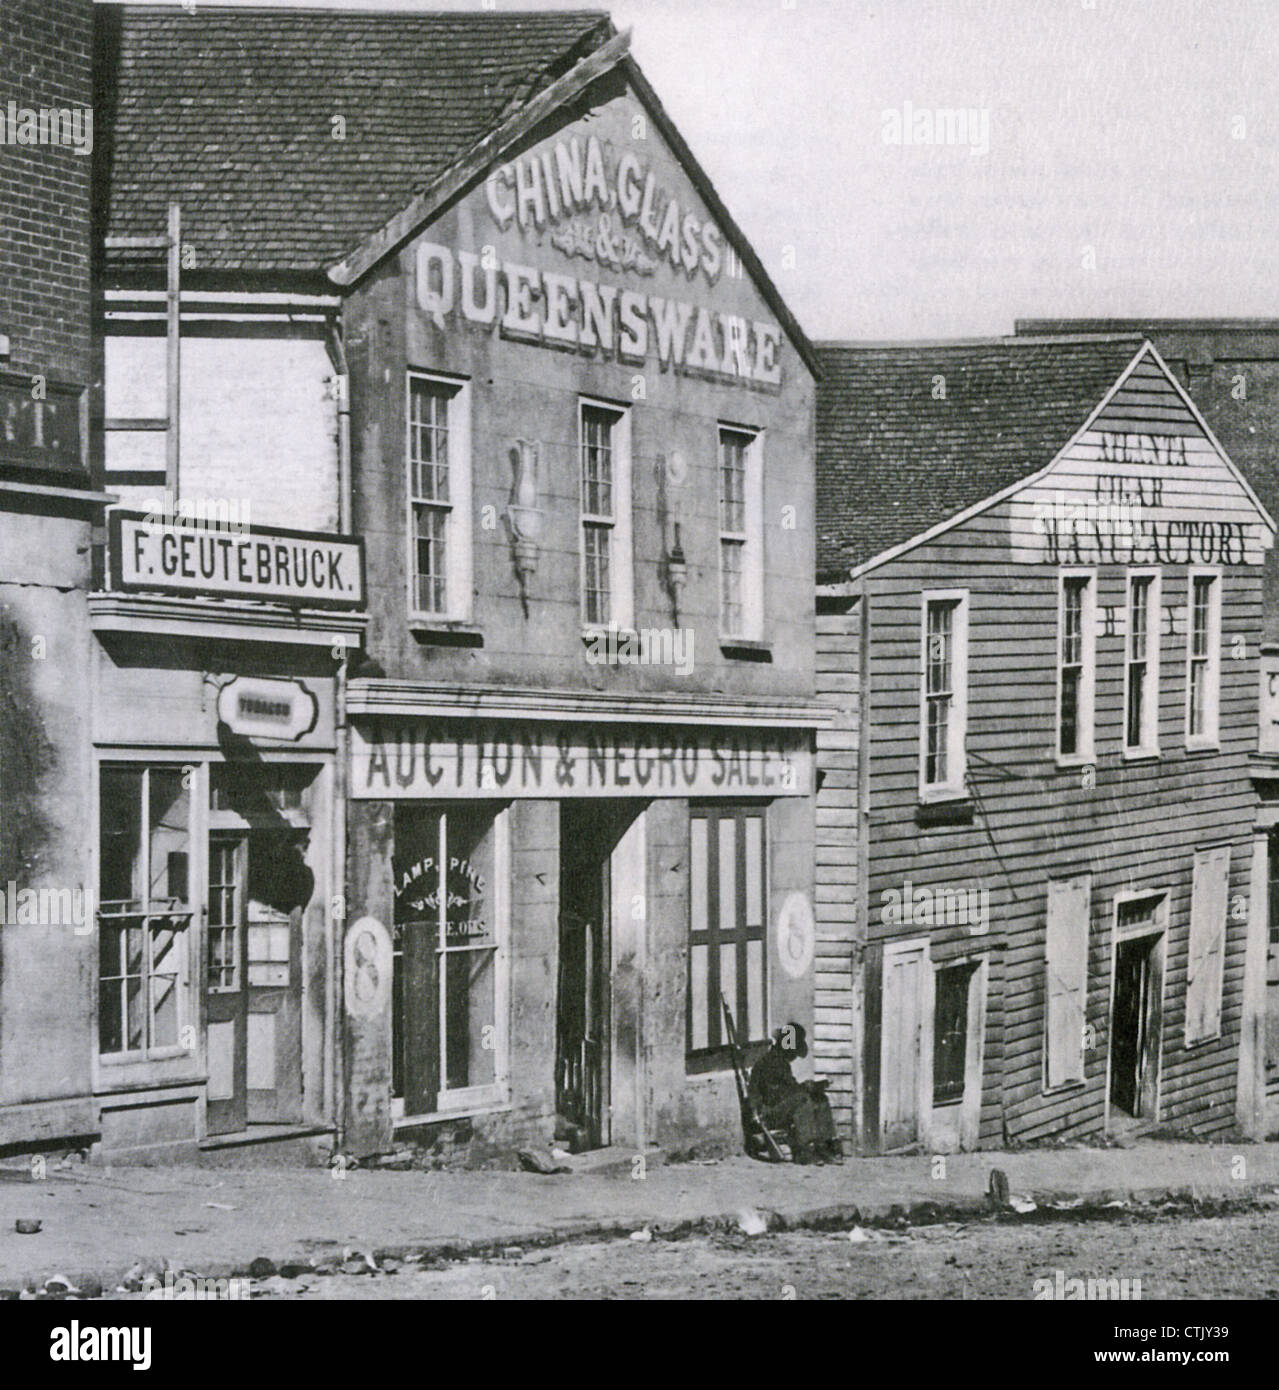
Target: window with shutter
[1206,966]
[1066,986]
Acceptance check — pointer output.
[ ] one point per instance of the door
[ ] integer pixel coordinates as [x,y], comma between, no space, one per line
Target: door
[902,1048]
[279,888]
[258,889]
[1130,1033]
[226,1002]
[581,1019]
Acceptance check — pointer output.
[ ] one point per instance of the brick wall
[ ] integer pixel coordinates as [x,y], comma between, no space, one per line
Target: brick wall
[45,61]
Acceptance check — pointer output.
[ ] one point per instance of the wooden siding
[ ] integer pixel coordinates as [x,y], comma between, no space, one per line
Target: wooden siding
[837,847]
[1133,824]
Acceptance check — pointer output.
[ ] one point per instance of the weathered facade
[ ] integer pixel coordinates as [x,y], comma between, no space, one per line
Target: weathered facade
[1230,369]
[547,434]
[581,757]
[1041,631]
[48,512]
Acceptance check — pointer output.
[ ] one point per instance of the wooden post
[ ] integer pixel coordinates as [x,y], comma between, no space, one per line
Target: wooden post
[173,346]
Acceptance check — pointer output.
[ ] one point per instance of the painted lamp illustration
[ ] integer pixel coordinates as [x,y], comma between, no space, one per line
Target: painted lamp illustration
[524,516]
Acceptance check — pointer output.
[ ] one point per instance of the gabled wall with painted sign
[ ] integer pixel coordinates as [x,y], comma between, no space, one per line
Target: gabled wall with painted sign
[584,269]
[1143,485]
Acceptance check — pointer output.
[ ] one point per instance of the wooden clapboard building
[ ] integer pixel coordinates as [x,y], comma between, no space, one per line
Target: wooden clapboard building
[1039,624]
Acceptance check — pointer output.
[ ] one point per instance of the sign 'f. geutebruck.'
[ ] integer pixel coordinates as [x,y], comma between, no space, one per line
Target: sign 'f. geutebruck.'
[307,568]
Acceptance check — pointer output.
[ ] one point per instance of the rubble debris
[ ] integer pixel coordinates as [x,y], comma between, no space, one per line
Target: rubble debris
[540,1161]
[27,1226]
[751,1222]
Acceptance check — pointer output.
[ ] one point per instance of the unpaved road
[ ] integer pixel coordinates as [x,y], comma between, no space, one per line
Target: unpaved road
[1175,1257]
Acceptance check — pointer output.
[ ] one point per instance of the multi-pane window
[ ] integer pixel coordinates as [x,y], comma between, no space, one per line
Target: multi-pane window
[1142,665]
[1203,644]
[599,515]
[740,534]
[225,881]
[1076,668]
[144,913]
[944,695]
[726,959]
[429,491]
[445,1001]
[953,986]
[438,455]
[734,449]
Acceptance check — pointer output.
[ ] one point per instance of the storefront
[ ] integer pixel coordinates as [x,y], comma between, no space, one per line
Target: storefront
[565,904]
[217,834]
[581,808]
[1045,677]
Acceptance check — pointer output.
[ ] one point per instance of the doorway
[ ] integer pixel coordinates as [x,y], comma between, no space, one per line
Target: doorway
[904,1021]
[588,835]
[1136,1016]
[259,886]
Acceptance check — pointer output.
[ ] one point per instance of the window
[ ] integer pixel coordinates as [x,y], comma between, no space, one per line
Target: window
[1076,668]
[727,894]
[740,535]
[952,986]
[448,982]
[144,909]
[1203,660]
[1141,669]
[1066,983]
[1206,964]
[604,434]
[944,694]
[439,490]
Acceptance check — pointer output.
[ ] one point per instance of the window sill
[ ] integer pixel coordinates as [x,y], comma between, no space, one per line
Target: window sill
[743,649]
[1074,761]
[1203,745]
[1064,1088]
[1140,755]
[955,810]
[445,633]
[472,1106]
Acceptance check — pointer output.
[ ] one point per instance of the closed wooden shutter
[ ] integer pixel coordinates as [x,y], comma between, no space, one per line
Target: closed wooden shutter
[1206,966]
[1066,987]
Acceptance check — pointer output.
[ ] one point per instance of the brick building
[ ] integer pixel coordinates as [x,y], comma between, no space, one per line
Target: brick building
[48,514]
[450,422]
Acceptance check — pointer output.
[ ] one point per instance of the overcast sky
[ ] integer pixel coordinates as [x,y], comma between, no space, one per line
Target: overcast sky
[1131,169]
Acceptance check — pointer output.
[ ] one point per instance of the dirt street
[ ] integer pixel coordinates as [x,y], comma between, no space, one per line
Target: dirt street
[1175,1257]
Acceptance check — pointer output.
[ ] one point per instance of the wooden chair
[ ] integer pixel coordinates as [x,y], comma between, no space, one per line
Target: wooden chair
[761,1142]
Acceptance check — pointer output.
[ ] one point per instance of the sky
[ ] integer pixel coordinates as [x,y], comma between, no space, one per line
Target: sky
[1126,164]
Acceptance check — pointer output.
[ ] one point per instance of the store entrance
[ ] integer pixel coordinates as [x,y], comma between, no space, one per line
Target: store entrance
[587,839]
[259,887]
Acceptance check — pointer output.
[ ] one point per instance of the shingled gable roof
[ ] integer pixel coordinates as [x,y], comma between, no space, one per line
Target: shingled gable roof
[230,112]
[894,459]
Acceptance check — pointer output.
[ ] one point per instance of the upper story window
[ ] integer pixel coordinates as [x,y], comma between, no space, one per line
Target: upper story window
[605,447]
[943,693]
[1076,667]
[741,561]
[1203,660]
[1141,668]
[439,491]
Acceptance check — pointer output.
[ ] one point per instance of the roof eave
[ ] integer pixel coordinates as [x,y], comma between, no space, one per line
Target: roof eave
[409,220]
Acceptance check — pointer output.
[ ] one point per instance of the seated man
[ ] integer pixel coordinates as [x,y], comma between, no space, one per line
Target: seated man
[800,1108]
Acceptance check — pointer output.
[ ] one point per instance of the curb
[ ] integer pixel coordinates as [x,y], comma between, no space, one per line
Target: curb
[437,1250]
